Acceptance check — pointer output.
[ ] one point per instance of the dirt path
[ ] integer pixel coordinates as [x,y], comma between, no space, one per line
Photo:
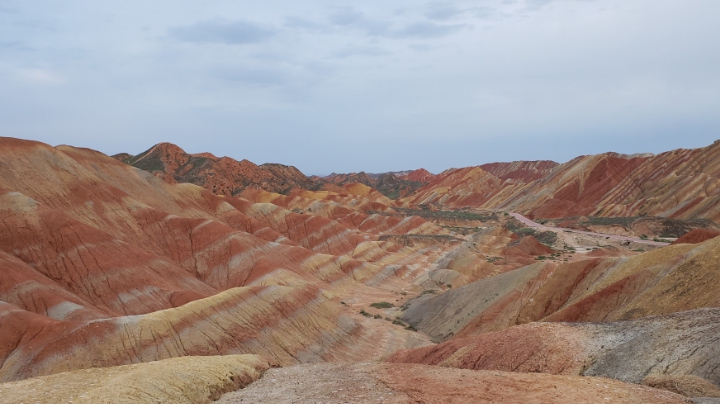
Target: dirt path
[530,223]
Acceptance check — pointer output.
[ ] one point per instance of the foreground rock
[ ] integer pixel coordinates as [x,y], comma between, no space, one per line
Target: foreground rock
[190,380]
[409,383]
[671,346]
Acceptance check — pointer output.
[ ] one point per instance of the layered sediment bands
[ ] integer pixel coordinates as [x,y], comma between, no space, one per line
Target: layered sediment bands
[686,343]
[392,185]
[104,264]
[678,184]
[223,175]
[400,383]
[420,175]
[187,380]
[113,276]
[525,171]
[22,286]
[353,198]
[697,236]
[285,324]
[663,281]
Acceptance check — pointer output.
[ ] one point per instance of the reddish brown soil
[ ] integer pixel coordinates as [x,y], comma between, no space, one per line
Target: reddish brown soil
[697,236]
[224,176]
[525,171]
[411,383]
[628,351]
[671,184]
[420,175]
[96,250]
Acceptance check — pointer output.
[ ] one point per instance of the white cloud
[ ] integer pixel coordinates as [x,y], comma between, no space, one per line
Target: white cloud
[41,76]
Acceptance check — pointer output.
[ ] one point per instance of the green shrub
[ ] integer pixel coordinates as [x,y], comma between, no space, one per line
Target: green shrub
[382,305]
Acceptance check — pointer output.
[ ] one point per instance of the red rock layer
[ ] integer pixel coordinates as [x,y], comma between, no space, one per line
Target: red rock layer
[664,281]
[392,185]
[405,383]
[628,351]
[420,175]
[223,175]
[525,171]
[105,264]
[676,184]
[697,236]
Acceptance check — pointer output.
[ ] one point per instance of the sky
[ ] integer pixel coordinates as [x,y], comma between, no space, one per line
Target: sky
[375,86]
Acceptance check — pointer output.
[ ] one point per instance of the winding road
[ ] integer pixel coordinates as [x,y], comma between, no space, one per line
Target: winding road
[530,223]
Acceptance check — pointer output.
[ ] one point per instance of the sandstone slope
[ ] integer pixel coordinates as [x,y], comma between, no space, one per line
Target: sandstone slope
[224,175]
[677,184]
[670,347]
[104,264]
[189,380]
[396,383]
[664,281]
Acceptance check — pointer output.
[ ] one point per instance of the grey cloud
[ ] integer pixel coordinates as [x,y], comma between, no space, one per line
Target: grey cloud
[439,11]
[346,16]
[262,77]
[14,45]
[444,12]
[353,50]
[427,30]
[308,25]
[420,47]
[227,32]
[537,3]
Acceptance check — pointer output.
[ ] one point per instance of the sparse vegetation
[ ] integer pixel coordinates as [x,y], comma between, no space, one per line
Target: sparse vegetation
[546,237]
[428,292]
[382,305]
[449,214]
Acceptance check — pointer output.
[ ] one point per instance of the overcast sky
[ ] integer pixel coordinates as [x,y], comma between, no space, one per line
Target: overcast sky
[373,85]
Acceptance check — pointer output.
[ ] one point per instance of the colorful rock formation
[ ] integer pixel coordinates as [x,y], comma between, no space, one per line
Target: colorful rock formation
[676,184]
[224,176]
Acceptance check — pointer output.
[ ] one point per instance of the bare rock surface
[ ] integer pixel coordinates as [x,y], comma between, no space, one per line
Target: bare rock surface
[188,380]
[318,383]
[366,383]
[674,345]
